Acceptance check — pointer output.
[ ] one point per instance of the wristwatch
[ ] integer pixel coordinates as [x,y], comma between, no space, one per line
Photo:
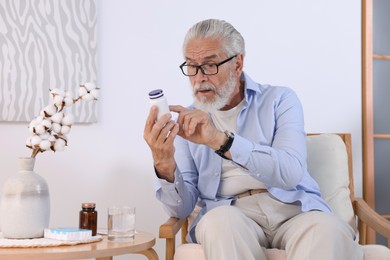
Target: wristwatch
[226,146]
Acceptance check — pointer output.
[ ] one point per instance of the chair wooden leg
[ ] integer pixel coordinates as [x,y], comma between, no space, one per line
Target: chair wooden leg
[362,233]
[170,248]
[370,236]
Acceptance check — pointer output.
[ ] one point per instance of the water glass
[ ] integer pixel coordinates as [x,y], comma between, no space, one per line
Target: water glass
[121,223]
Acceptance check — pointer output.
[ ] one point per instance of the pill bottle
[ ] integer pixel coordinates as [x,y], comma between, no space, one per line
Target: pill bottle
[88,217]
[158,99]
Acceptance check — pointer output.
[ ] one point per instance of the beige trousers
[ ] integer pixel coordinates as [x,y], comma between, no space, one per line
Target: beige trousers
[243,231]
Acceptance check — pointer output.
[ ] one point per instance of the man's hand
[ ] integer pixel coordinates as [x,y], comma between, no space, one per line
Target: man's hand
[196,126]
[159,135]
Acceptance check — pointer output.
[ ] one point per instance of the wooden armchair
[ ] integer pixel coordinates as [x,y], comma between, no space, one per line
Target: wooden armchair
[330,164]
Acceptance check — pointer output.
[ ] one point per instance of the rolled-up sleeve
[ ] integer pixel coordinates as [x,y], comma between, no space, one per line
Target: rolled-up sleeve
[179,198]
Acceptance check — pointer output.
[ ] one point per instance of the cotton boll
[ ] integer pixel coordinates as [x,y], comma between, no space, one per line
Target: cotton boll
[69,94]
[35,140]
[94,93]
[44,136]
[36,126]
[68,120]
[57,92]
[82,91]
[38,120]
[59,145]
[28,142]
[51,138]
[50,110]
[58,101]
[56,128]
[68,101]
[32,125]
[46,123]
[87,97]
[57,117]
[31,129]
[65,138]
[45,145]
[39,129]
[65,129]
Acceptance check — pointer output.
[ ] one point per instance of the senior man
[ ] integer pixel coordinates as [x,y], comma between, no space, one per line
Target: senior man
[239,153]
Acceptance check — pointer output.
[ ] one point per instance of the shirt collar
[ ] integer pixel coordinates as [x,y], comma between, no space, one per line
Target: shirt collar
[250,87]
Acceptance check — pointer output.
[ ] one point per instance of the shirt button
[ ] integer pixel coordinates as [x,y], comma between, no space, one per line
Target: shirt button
[178,201]
[258,175]
[177,183]
[216,174]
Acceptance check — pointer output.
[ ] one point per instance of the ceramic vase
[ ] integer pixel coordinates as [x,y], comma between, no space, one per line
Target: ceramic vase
[25,205]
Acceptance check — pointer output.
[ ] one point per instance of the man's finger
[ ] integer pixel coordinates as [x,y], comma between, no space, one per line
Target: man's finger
[177,108]
[151,119]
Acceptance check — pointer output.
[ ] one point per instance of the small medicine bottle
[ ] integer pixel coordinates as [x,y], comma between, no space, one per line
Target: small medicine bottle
[158,99]
[88,217]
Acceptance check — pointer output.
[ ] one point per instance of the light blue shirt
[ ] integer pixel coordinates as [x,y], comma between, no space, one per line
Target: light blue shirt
[270,146]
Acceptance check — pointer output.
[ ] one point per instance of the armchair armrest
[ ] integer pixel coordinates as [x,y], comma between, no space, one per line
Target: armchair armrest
[371,218]
[168,230]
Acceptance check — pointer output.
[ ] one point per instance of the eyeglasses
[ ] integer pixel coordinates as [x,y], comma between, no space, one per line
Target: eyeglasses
[207,69]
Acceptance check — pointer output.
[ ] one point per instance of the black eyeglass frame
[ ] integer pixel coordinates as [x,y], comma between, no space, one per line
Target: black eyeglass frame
[200,67]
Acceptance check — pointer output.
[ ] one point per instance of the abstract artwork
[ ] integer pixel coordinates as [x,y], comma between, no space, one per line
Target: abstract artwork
[45,44]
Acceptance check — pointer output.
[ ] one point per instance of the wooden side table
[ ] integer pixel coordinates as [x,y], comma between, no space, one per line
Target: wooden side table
[102,250]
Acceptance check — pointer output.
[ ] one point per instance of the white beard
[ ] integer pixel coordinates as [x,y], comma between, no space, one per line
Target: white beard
[222,96]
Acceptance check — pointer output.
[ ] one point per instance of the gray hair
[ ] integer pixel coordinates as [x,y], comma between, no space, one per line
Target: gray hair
[233,42]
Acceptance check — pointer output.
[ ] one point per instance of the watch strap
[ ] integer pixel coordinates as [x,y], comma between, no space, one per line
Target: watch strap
[226,146]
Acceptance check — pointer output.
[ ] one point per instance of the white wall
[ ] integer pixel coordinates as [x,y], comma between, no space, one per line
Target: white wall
[311,46]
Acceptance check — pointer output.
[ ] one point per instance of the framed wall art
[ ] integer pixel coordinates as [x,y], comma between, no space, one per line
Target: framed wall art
[45,44]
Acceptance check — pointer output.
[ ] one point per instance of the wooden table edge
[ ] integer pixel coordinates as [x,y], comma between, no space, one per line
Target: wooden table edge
[103,249]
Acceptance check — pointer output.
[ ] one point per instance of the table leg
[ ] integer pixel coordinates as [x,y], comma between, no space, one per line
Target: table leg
[149,253]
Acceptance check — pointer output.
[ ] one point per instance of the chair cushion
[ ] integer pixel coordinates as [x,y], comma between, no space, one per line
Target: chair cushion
[189,252]
[195,252]
[327,163]
[376,252]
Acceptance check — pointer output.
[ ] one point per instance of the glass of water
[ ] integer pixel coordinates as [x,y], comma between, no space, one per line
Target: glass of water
[121,223]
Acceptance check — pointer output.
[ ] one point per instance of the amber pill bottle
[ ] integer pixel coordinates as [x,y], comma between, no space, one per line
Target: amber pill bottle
[88,217]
